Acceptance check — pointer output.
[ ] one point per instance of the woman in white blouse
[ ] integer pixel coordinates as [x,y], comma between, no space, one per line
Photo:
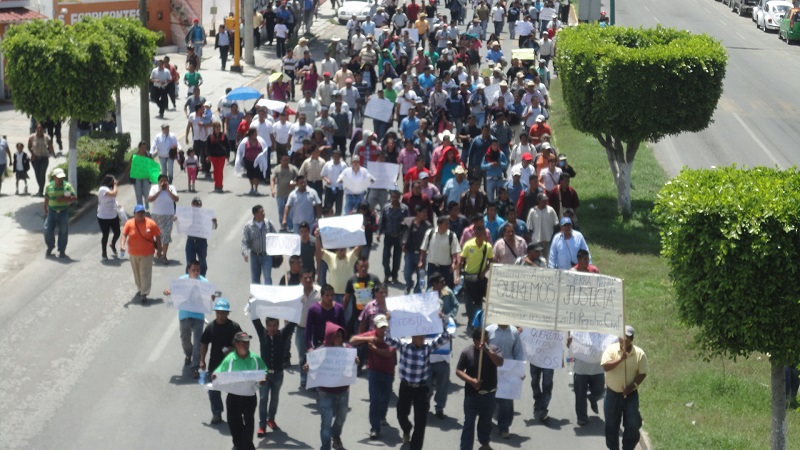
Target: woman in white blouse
[107,213]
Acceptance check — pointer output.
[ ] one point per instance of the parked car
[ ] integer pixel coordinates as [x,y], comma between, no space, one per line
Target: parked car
[359,8]
[743,7]
[790,26]
[769,13]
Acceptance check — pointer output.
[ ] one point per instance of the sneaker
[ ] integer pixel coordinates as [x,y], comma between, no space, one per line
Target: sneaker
[144,299]
[272,425]
[440,415]
[48,253]
[373,435]
[593,404]
[544,418]
[261,432]
[384,422]
[485,447]
[406,438]
[505,435]
[195,373]
[215,419]
[114,250]
[187,360]
[302,385]
[337,444]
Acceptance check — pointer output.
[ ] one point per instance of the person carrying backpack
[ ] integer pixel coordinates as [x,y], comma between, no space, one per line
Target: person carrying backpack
[440,249]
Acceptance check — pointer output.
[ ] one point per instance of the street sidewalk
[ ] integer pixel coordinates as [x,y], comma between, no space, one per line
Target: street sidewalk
[22,216]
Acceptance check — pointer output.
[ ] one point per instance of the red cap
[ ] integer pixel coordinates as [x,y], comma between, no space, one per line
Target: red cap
[196,20]
[527,157]
[326,74]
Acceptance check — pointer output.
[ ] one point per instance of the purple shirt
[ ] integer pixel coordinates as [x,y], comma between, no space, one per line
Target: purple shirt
[317,318]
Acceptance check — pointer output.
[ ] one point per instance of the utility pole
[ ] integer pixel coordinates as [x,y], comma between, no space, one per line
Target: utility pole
[249,55]
[237,46]
[144,92]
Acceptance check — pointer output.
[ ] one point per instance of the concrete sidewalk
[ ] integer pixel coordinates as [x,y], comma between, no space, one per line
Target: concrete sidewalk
[22,216]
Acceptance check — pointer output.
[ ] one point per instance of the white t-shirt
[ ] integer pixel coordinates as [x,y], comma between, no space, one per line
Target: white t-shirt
[523,28]
[300,132]
[497,13]
[550,179]
[281,131]
[163,206]
[106,204]
[281,31]
[331,170]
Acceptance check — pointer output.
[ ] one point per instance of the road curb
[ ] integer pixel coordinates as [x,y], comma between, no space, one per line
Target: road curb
[644,441]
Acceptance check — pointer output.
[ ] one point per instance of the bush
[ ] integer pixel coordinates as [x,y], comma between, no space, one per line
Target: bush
[88,177]
[105,150]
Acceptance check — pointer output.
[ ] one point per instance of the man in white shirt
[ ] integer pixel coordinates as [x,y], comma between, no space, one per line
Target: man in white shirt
[405,101]
[325,90]
[440,249]
[498,14]
[355,181]
[280,134]
[299,132]
[333,187]
[162,145]
[264,126]
[507,96]
[525,166]
[542,220]
[524,28]
[160,77]
[328,64]
[308,105]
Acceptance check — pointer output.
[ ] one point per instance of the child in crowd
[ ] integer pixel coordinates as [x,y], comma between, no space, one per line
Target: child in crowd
[21,166]
[190,164]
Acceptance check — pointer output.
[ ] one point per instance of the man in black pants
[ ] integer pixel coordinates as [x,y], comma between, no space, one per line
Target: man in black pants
[391,226]
[160,77]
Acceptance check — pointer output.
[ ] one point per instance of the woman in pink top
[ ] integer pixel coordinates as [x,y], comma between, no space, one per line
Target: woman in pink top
[408,155]
[311,79]
[278,90]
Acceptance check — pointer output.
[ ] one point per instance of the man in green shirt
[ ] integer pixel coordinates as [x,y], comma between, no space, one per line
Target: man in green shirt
[241,401]
[58,195]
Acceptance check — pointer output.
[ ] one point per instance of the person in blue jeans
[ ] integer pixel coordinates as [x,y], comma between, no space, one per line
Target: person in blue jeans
[332,402]
[494,165]
[380,367]
[58,196]
[479,393]
[254,246]
[197,247]
[413,235]
[542,384]
[626,368]
[272,340]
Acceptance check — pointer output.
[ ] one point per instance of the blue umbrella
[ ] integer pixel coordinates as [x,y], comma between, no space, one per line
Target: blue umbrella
[244,93]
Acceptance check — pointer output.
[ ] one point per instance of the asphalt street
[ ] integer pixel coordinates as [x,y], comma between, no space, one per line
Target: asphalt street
[85,366]
[756,118]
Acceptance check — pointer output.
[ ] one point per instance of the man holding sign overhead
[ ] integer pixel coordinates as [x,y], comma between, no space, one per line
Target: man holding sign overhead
[356,181]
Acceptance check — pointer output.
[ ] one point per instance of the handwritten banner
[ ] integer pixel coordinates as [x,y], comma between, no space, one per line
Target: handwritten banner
[145,167]
[551,299]
[385,174]
[342,232]
[589,346]
[195,222]
[509,379]
[331,367]
[543,348]
[379,108]
[279,302]
[191,295]
[414,315]
[283,244]
[244,382]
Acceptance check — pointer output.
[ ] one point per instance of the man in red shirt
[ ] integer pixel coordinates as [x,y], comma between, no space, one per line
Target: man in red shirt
[380,366]
[413,173]
[367,150]
[412,11]
[563,196]
[416,197]
[539,128]
[583,263]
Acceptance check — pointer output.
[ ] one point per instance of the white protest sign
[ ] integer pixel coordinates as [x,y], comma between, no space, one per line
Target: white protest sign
[385,174]
[509,379]
[280,302]
[244,382]
[412,33]
[490,91]
[379,108]
[543,348]
[357,184]
[342,232]
[331,367]
[272,105]
[589,346]
[195,222]
[551,299]
[191,295]
[414,315]
[283,244]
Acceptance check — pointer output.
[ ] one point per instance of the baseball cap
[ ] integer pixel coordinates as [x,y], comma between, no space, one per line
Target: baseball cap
[534,246]
[381,321]
[241,337]
[516,172]
[527,157]
[423,176]
[562,157]
[59,173]
[540,118]
[629,331]
[164,125]
[565,221]
[326,74]
[546,146]
[138,208]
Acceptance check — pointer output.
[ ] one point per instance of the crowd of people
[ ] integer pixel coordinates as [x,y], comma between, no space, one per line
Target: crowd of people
[479,183]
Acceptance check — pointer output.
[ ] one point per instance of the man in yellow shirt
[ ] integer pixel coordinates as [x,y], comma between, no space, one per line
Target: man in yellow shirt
[475,258]
[625,366]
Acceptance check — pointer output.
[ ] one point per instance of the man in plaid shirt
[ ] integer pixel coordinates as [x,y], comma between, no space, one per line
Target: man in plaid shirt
[414,372]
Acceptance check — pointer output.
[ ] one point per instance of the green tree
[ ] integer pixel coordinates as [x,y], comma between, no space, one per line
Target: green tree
[731,240]
[71,72]
[625,86]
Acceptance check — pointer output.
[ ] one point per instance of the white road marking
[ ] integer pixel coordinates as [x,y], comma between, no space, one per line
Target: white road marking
[756,139]
[740,35]
[158,350]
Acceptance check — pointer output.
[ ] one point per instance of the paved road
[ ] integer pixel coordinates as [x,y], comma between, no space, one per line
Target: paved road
[86,367]
[756,119]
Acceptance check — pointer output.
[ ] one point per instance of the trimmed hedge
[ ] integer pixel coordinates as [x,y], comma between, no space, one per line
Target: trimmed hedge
[105,150]
[88,177]
[639,84]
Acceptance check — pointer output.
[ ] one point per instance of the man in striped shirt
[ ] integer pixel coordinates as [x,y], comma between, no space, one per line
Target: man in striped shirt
[254,246]
[415,368]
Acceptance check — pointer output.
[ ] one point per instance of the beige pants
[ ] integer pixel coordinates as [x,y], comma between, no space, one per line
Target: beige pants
[142,272]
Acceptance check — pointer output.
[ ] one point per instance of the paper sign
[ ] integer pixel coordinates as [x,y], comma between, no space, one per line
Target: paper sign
[331,367]
[445,348]
[589,346]
[414,315]
[550,299]
[191,295]
[412,33]
[379,108]
[279,302]
[356,185]
[145,167]
[283,244]
[342,232]
[240,383]
[195,222]
[385,174]
[490,91]
[543,348]
[509,379]
[272,105]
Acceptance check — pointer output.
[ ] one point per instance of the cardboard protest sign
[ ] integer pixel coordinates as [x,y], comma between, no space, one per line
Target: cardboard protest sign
[509,379]
[385,174]
[280,302]
[195,222]
[543,348]
[379,108]
[414,315]
[283,244]
[589,346]
[342,232]
[191,295]
[331,367]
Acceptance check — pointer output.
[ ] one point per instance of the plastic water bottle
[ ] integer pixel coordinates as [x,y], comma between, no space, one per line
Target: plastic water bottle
[421,278]
[122,253]
[460,285]
[202,379]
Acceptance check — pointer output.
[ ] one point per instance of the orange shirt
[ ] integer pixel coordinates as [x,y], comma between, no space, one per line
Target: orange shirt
[141,236]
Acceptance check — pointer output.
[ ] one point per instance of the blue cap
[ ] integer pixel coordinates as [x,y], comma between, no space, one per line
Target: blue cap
[222,305]
[565,221]
[138,208]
